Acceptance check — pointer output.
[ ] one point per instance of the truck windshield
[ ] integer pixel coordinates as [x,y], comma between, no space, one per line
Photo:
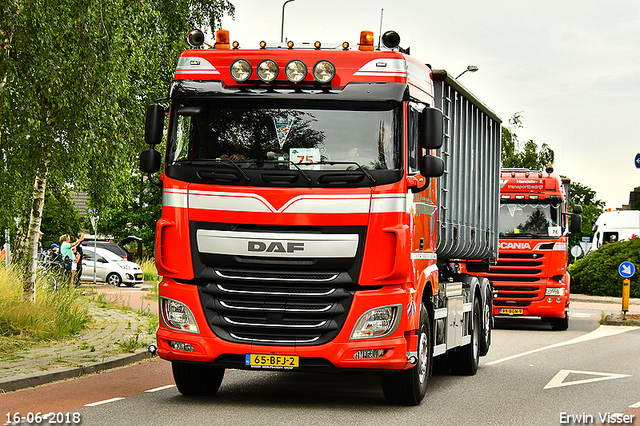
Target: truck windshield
[537,220]
[265,134]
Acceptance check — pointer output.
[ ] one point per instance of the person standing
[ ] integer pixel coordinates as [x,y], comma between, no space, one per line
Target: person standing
[80,255]
[66,250]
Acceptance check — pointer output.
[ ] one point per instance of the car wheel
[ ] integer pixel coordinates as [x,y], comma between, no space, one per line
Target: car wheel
[114,279]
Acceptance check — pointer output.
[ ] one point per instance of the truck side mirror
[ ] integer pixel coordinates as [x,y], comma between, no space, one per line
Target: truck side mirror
[576,223]
[154,124]
[150,160]
[577,209]
[431,128]
[431,166]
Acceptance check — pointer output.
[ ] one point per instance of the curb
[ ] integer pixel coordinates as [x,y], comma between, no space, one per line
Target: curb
[616,319]
[11,384]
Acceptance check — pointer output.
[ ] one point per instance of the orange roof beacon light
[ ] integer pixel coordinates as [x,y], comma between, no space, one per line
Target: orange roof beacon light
[222,39]
[366,41]
[317,45]
[290,45]
[263,44]
[235,45]
[345,45]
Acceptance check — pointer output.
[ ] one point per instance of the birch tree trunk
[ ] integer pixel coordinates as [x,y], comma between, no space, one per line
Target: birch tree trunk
[29,286]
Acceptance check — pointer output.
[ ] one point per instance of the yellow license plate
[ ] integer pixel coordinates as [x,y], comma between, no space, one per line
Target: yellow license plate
[510,311]
[272,361]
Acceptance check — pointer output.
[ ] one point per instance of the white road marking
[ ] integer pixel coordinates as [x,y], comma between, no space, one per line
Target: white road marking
[602,331]
[161,388]
[636,405]
[558,379]
[106,401]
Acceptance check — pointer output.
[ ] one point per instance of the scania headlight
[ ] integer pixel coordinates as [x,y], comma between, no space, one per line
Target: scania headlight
[178,316]
[267,70]
[324,71]
[241,70]
[295,71]
[554,291]
[378,322]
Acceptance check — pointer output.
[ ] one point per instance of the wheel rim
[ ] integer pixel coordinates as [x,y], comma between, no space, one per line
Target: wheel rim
[424,356]
[487,322]
[114,280]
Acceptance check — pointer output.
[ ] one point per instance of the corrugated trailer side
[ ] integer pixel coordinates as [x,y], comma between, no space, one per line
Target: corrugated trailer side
[469,190]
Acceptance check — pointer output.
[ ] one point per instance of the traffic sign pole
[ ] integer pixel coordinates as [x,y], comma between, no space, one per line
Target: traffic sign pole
[625,298]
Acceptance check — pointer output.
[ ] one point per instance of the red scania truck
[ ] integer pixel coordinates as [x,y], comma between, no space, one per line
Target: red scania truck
[303,227]
[531,277]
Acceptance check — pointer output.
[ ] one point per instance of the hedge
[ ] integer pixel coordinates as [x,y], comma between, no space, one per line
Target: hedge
[597,273]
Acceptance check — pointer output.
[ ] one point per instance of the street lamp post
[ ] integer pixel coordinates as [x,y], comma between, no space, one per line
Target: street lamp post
[282,28]
[472,68]
[93,216]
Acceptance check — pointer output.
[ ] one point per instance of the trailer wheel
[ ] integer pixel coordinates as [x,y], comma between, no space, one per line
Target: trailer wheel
[468,356]
[560,324]
[197,379]
[408,387]
[487,313]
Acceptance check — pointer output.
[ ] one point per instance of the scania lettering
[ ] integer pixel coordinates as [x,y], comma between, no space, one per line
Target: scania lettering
[305,225]
[531,275]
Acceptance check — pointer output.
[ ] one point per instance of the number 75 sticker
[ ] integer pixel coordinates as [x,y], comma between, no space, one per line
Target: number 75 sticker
[304,155]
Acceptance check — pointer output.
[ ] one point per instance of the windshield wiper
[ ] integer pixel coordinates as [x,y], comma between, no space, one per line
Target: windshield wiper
[306,176]
[234,164]
[362,169]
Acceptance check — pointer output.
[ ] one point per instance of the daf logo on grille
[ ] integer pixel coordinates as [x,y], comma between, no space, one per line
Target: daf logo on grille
[275,247]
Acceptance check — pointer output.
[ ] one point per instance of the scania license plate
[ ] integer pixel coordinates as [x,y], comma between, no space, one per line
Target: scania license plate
[511,311]
[274,362]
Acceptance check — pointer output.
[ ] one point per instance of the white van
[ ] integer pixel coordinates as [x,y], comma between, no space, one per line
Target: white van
[616,226]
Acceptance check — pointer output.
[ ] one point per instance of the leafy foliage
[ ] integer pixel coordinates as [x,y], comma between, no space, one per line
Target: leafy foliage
[592,209]
[523,155]
[597,273]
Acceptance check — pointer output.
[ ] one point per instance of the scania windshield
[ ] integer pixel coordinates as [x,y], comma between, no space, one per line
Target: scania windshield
[527,220]
[244,139]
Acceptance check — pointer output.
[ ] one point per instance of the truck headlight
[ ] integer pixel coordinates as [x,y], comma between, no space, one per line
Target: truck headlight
[378,322]
[178,316]
[554,291]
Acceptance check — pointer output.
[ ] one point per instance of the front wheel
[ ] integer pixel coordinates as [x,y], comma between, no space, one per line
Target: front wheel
[197,379]
[114,279]
[408,387]
[560,324]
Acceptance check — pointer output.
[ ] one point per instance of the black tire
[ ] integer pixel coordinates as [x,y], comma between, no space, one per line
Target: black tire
[487,322]
[408,387]
[467,357]
[114,279]
[197,379]
[560,324]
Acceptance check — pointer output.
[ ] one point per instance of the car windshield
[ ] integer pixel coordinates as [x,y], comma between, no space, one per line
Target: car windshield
[530,220]
[265,134]
[110,256]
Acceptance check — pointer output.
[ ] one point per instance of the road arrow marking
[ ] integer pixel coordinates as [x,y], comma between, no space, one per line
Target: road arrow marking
[558,379]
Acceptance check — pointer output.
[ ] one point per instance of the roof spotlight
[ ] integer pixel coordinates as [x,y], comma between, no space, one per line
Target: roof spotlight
[391,39]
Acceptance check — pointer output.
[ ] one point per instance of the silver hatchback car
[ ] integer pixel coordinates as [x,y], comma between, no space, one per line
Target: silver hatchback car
[109,268]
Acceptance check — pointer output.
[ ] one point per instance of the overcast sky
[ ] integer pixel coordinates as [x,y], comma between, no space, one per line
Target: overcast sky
[571,66]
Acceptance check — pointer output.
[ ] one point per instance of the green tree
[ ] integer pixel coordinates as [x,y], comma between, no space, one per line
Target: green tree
[516,154]
[592,208]
[75,77]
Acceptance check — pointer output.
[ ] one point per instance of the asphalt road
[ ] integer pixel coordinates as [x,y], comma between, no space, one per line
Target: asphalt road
[532,376]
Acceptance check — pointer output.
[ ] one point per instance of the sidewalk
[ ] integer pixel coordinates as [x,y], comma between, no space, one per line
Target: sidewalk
[102,346]
[98,348]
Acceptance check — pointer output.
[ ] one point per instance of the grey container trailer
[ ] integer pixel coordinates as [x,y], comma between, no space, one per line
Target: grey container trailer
[469,190]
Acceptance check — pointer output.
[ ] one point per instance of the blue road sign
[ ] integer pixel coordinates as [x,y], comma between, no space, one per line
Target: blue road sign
[626,269]
[638,160]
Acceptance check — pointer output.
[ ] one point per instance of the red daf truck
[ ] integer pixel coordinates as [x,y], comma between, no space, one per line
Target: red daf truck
[304,226]
[531,275]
